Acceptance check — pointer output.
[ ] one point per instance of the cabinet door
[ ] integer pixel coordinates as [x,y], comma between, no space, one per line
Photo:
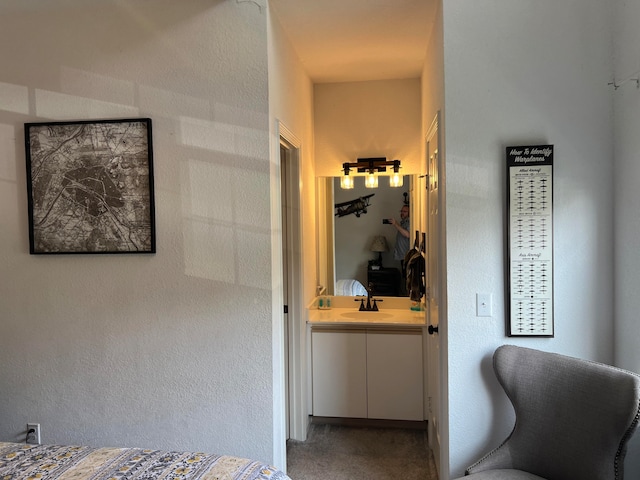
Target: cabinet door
[339,374]
[394,375]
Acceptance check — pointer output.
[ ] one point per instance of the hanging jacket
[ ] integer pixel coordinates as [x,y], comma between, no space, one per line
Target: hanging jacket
[415,265]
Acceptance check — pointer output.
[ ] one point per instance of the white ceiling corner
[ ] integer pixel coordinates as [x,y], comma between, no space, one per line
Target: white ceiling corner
[358,40]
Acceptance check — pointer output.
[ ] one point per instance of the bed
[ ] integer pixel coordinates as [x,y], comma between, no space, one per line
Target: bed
[350,288]
[20,461]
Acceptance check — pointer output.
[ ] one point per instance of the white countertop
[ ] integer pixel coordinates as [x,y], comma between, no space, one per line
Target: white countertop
[392,311]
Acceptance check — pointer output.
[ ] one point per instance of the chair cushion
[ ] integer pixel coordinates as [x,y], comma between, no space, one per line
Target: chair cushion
[502,474]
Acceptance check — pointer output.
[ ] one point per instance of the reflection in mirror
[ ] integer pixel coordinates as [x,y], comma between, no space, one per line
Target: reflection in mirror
[357,238]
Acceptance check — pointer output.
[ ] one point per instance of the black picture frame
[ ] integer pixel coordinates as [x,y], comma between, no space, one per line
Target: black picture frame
[90,186]
[529,267]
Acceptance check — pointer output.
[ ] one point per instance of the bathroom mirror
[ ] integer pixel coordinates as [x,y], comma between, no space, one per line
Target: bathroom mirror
[345,261]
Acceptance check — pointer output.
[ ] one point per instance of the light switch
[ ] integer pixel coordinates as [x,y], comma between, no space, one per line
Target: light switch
[483,304]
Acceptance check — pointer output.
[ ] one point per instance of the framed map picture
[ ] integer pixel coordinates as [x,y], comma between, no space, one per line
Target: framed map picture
[90,187]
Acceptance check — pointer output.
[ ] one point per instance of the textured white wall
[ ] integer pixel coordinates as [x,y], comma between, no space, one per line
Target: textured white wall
[524,72]
[627,172]
[172,350]
[626,35]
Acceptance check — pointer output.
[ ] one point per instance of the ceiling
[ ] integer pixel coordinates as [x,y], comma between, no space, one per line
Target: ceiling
[358,40]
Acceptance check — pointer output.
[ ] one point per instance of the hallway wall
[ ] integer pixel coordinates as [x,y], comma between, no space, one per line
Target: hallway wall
[291,105]
[433,99]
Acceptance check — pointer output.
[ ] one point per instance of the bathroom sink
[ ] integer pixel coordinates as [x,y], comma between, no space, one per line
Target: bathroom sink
[362,315]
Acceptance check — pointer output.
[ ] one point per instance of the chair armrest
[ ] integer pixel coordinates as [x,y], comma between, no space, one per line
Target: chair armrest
[499,458]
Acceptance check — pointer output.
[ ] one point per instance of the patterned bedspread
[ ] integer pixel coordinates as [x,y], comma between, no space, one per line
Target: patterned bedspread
[41,462]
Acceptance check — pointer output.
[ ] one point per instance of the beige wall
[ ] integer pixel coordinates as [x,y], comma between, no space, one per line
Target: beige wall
[291,104]
[367,119]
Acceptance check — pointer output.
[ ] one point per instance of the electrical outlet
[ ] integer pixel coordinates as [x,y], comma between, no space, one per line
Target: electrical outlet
[33,438]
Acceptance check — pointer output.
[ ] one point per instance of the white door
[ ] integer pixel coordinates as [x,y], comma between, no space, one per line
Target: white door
[434,297]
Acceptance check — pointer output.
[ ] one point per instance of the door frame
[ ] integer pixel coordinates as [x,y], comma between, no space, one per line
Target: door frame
[296,414]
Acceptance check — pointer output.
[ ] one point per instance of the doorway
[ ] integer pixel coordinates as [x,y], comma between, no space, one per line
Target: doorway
[293,311]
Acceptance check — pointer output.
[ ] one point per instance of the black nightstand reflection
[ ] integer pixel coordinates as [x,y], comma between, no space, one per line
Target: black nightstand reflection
[386,281]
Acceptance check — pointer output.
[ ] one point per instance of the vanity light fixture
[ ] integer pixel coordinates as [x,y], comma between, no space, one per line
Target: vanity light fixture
[346,181]
[396,180]
[371,166]
[371,180]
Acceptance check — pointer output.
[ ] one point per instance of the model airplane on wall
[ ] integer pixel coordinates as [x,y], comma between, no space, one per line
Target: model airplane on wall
[357,206]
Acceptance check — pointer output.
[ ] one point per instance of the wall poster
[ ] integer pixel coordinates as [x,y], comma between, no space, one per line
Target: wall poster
[530,240]
[90,186]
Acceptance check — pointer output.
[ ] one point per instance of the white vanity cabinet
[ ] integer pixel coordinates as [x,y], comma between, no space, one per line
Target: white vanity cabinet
[365,372]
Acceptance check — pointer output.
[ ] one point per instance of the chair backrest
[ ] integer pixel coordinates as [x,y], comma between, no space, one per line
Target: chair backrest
[573,417]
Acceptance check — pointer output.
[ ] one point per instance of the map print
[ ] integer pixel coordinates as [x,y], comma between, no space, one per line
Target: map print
[90,187]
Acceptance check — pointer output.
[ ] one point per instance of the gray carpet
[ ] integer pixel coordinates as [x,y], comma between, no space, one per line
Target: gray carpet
[358,453]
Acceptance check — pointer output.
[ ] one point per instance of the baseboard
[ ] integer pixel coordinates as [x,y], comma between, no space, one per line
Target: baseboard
[369,422]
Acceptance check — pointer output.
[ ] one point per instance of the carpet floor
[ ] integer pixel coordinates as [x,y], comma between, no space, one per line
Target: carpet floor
[361,453]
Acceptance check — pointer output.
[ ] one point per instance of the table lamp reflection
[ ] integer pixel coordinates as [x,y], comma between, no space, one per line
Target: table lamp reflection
[379,244]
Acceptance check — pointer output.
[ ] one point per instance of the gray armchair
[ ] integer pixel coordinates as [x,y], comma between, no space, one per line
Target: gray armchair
[573,418]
